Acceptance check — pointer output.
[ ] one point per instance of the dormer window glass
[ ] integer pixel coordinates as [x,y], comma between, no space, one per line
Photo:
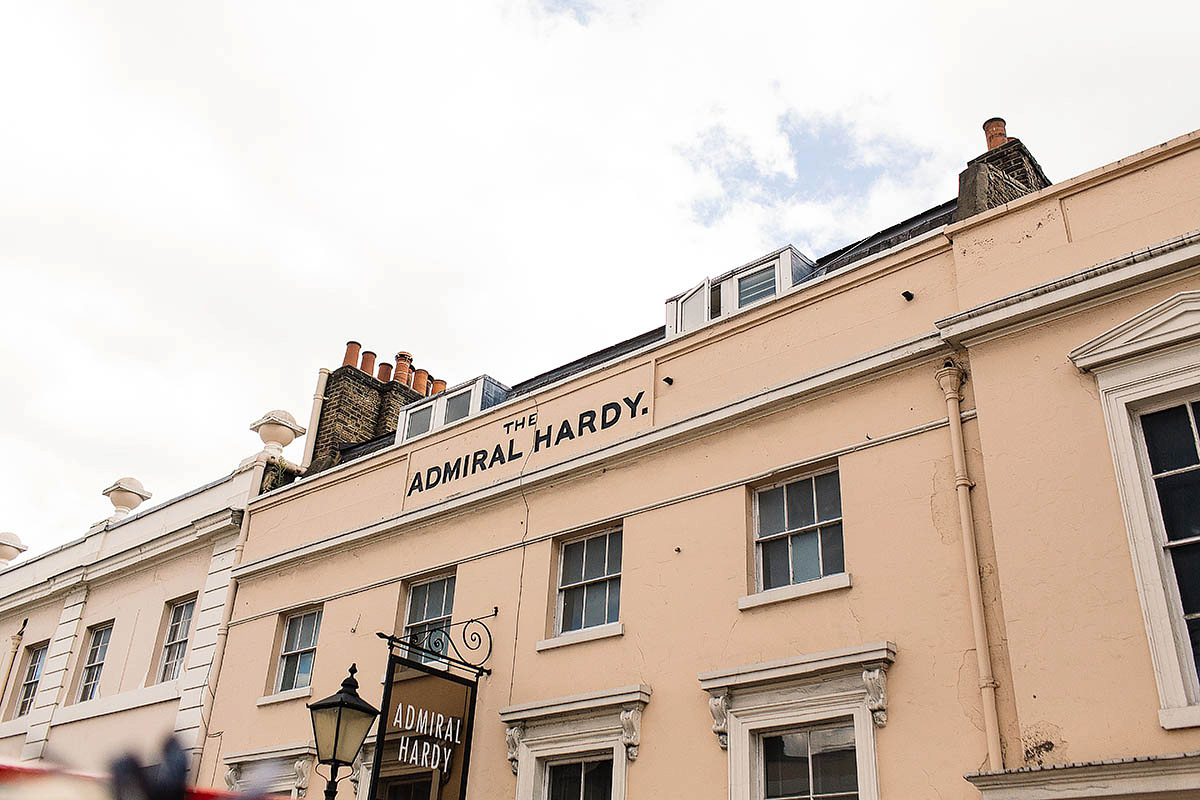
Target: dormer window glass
[458,406]
[418,422]
[756,286]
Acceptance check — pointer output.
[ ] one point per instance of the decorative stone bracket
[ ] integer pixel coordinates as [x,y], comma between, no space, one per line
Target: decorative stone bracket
[611,712]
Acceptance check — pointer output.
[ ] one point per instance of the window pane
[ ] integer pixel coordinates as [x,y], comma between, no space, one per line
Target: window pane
[288,679]
[775,563]
[800,510]
[692,314]
[304,664]
[756,286]
[572,615]
[1179,496]
[595,606]
[308,630]
[1187,574]
[829,497]
[785,765]
[418,421]
[416,603]
[714,301]
[291,638]
[565,781]
[770,511]
[457,407]
[437,593]
[572,571]
[614,552]
[593,561]
[1169,439]
[806,564]
[614,599]
[832,558]
[833,765]
[1193,627]
[448,603]
[597,780]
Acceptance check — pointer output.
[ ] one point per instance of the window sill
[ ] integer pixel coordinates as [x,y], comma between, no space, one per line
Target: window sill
[829,583]
[283,697]
[585,635]
[1176,718]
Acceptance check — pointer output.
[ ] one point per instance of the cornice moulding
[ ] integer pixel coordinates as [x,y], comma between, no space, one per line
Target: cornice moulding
[586,703]
[867,656]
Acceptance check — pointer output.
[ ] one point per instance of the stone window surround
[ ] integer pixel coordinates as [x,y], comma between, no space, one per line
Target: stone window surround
[594,723]
[795,692]
[284,768]
[1138,364]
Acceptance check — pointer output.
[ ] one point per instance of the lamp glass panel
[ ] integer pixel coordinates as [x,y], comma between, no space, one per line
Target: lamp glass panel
[325,731]
[355,727]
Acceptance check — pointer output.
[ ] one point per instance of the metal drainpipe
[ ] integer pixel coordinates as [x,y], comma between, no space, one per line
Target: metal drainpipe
[214,672]
[315,418]
[12,657]
[950,378]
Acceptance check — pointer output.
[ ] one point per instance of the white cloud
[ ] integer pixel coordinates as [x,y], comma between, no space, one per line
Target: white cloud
[200,204]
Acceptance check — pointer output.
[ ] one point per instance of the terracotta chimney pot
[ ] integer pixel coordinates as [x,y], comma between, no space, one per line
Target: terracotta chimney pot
[420,381]
[385,371]
[368,362]
[404,368]
[351,358]
[439,385]
[994,130]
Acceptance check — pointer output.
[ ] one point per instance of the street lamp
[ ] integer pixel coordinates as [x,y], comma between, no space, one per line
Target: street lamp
[340,724]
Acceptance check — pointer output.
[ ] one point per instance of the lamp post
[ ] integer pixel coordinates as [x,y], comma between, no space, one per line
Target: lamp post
[341,723]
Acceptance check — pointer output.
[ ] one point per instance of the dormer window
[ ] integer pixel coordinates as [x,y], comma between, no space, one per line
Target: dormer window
[450,406]
[738,289]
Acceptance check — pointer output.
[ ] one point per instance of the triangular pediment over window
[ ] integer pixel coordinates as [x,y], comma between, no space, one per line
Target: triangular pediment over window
[1174,321]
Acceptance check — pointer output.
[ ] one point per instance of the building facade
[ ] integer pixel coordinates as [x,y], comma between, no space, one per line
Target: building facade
[916,519]
[116,637]
[912,520]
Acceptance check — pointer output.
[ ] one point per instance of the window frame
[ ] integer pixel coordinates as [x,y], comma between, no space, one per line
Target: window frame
[284,652]
[31,652]
[560,590]
[757,540]
[88,664]
[168,642]
[759,788]
[577,758]
[422,658]
[1137,373]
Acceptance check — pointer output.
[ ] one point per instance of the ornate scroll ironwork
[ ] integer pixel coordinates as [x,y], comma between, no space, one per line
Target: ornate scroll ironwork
[466,645]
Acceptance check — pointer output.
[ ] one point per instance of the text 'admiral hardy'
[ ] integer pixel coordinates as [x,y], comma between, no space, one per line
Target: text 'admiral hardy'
[584,424]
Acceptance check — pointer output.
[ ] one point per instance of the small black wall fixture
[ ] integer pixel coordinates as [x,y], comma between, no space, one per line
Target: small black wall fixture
[907,295]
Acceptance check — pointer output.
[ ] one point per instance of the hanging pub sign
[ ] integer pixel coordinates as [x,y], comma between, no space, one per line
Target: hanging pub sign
[424,741]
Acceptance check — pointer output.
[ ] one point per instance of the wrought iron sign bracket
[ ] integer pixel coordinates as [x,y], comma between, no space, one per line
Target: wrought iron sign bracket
[465,645]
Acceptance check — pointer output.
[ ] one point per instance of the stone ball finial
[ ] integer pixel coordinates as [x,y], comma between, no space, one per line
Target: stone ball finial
[11,546]
[277,429]
[126,494]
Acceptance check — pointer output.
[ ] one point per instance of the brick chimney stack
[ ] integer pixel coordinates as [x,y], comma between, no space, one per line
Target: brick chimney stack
[360,404]
[1006,172]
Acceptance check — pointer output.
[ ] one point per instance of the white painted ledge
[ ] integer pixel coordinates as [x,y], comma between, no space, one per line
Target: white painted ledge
[829,583]
[145,696]
[1176,718]
[283,697]
[584,635]
[14,727]
[588,702]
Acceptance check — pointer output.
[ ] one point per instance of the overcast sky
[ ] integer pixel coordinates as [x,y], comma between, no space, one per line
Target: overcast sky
[200,204]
